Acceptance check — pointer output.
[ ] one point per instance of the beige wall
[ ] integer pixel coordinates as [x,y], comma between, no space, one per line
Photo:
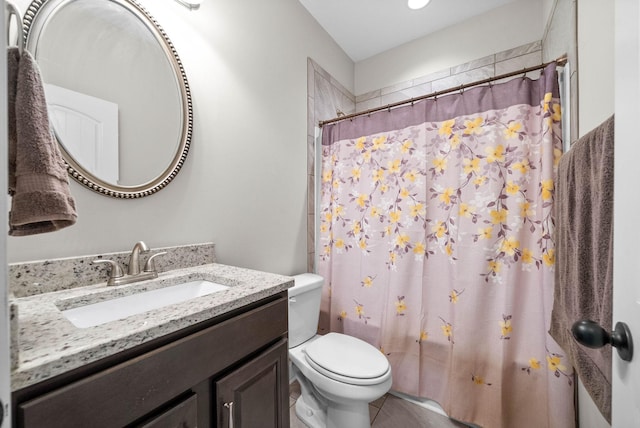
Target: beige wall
[595,104]
[514,24]
[595,61]
[547,7]
[244,184]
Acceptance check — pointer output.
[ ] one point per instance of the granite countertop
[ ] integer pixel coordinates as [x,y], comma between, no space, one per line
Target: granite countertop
[49,344]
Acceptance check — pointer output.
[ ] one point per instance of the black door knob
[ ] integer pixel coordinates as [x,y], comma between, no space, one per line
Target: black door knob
[589,333]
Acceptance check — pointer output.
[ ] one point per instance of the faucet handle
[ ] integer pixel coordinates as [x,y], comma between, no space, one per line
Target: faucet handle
[115,273]
[150,265]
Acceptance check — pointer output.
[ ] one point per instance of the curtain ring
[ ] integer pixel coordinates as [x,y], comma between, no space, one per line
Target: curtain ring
[524,73]
[388,109]
[461,89]
[490,84]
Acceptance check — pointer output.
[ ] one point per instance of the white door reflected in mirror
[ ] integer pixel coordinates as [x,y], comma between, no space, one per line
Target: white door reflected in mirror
[87,128]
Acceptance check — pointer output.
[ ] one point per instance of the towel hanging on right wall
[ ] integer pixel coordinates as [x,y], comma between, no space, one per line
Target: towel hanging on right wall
[584,256]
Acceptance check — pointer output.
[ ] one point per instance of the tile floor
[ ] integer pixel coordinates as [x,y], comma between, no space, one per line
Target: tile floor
[387,412]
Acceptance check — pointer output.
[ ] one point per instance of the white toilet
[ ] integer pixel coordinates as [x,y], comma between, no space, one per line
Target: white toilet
[338,374]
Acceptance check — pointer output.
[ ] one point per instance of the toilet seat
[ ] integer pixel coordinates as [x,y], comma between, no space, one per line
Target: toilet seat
[347,359]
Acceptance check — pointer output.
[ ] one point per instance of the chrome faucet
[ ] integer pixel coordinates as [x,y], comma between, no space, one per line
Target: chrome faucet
[116,277]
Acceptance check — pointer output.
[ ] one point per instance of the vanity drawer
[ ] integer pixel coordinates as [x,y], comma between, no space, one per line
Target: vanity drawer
[127,392]
[183,415]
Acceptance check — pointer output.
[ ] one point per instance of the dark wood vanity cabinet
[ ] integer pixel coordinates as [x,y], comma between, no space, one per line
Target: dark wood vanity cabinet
[253,394]
[229,372]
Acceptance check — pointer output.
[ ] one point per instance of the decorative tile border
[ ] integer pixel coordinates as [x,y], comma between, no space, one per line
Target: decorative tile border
[481,68]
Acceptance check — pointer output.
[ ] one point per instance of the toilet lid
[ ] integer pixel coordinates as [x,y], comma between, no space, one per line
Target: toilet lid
[347,359]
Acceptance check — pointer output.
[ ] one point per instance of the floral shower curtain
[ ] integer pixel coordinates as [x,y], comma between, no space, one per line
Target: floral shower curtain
[436,243]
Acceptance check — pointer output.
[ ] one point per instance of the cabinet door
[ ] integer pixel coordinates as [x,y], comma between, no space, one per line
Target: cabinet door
[257,393]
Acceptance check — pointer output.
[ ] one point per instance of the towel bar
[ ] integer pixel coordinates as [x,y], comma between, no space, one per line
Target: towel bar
[12,10]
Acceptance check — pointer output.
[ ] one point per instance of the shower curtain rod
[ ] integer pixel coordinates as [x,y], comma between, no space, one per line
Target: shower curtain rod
[560,62]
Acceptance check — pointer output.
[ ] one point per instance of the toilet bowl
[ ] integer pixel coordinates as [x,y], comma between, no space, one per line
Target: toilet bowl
[338,374]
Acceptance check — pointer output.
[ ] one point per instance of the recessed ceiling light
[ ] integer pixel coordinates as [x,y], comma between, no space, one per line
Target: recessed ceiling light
[417,4]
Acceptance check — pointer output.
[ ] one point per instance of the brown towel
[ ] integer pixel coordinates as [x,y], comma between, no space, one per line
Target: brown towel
[38,180]
[584,262]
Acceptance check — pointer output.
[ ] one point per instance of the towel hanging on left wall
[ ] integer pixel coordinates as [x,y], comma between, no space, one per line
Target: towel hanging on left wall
[38,180]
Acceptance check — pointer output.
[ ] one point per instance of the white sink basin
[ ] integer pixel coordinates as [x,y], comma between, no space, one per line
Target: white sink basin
[122,307]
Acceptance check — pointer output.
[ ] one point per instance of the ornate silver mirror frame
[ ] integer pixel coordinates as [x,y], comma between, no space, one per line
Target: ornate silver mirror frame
[36,20]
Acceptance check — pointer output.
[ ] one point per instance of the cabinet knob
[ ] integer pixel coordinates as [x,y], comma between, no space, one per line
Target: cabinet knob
[230,407]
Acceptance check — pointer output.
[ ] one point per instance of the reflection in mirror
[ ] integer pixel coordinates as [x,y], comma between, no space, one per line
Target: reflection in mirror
[118,97]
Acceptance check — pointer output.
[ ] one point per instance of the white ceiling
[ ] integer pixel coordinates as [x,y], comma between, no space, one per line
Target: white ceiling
[364,28]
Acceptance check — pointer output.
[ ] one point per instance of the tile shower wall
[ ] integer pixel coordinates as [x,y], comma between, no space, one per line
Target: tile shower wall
[327,99]
[560,38]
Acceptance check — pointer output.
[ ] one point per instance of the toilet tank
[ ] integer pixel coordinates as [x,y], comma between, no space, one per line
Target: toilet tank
[304,307]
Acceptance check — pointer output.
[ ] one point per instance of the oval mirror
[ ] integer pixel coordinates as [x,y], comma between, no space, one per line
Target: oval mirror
[118,96]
